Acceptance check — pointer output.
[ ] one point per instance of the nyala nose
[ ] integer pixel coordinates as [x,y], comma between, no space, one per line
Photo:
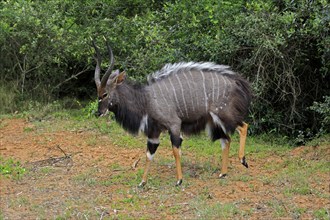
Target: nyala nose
[98,114]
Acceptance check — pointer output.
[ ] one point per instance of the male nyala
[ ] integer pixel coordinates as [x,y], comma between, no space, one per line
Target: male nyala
[182,97]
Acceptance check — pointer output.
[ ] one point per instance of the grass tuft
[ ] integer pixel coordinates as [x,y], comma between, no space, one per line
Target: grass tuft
[11,168]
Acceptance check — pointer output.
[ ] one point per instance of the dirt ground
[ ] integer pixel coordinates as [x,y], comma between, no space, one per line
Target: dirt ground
[71,178]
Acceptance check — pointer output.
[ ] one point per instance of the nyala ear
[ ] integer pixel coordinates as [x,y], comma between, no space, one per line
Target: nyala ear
[120,78]
[116,78]
[114,74]
[112,78]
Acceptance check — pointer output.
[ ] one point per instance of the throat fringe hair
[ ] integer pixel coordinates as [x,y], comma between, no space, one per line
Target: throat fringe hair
[132,108]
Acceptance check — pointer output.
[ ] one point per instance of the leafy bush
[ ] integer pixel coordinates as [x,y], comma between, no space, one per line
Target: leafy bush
[282,47]
[8,97]
[323,110]
[90,109]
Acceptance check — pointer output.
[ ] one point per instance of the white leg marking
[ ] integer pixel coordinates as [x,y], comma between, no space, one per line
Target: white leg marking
[153,140]
[223,143]
[217,121]
[208,129]
[144,123]
[150,156]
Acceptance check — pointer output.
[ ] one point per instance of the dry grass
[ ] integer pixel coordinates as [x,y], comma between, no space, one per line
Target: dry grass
[100,183]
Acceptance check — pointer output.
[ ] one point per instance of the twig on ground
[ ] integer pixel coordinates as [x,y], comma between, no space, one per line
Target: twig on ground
[58,146]
[134,165]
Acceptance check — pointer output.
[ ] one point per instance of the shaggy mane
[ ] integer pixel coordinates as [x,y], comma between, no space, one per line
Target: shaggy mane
[175,68]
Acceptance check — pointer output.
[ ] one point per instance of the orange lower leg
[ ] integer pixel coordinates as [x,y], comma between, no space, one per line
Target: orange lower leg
[146,171]
[177,156]
[225,157]
[242,134]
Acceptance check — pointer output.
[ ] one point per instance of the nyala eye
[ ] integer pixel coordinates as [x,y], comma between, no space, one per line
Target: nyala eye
[104,95]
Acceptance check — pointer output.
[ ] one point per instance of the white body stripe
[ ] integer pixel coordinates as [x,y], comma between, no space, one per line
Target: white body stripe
[161,91]
[167,90]
[183,98]
[191,96]
[224,90]
[212,87]
[196,95]
[155,96]
[204,88]
[176,98]
[218,86]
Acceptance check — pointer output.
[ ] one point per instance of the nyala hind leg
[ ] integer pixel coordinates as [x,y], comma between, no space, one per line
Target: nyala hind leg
[152,145]
[242,130]
[176,145]
[217,133]
[225,144]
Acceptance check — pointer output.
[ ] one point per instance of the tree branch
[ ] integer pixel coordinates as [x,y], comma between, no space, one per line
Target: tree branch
[70,78]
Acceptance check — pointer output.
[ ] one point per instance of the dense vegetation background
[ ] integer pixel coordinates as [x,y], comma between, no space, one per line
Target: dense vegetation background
[281,46]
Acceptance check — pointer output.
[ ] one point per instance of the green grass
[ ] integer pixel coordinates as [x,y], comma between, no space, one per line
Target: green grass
[11,168]
[278,207]
[289,176]
[322,214]
[218,211]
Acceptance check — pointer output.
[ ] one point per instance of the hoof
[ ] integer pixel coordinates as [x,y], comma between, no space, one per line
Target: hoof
[178,183]
[243,161]
[222,176]
[142,184]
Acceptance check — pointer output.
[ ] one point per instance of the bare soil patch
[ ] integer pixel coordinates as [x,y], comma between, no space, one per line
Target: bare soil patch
[82,175]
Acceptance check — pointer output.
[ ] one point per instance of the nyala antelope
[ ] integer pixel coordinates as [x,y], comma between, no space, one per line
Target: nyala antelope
[183,97]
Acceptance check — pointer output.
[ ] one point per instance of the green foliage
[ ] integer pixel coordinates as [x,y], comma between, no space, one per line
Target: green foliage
[11,168]
[282,47]
[322,213]
[8,97]
[90,109]
[323,109]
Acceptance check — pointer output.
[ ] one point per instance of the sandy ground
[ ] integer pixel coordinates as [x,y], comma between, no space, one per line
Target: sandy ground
[64,169]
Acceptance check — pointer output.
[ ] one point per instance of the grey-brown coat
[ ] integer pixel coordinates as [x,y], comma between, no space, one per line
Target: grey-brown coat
[183,97]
